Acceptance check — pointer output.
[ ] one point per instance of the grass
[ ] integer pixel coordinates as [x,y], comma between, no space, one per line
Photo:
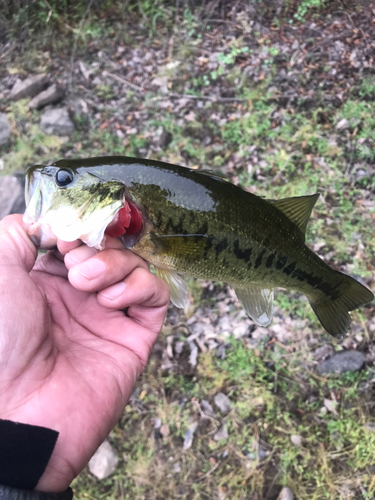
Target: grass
[266,412]
[275,393]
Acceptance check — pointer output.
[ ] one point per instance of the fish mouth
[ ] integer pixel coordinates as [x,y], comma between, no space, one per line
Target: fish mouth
[40,234]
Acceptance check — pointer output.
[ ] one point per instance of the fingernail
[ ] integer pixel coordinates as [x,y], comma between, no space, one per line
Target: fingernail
[90,269]
[113,291]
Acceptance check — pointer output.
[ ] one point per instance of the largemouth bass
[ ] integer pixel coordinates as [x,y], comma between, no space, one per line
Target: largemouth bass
[194,223]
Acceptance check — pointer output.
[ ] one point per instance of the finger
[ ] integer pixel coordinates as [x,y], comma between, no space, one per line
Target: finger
[16,248]
[79,255]
[139,287]
[66,246]
[81,251]
[51,264]
[104,269]
[145,295]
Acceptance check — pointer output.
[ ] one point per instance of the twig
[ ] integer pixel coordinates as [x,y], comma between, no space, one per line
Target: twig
[125,82]
[216,98]
[204,415]
[76,41]
[203,97]
[11,48]
[59,18]
[209,472]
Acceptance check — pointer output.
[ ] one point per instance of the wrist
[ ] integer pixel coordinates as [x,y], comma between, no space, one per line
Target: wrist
[57,476]
[27,458]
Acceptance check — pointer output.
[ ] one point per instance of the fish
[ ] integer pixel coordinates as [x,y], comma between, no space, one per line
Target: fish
[188,222]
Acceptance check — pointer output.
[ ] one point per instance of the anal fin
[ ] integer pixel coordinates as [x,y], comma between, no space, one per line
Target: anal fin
[177,286]
[258,303]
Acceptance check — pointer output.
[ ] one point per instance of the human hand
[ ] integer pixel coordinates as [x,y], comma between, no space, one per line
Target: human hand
[69,356]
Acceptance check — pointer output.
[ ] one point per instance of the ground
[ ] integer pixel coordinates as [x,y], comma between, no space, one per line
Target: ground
[282,103]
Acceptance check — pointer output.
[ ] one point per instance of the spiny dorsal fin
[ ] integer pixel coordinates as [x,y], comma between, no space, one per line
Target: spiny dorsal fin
[258,303]
[213,175]
[297,209]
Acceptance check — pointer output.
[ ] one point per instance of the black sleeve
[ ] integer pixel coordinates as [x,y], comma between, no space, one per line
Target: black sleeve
[24,454]
[7,493]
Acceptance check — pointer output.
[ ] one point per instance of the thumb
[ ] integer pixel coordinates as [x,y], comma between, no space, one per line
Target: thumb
[16,248]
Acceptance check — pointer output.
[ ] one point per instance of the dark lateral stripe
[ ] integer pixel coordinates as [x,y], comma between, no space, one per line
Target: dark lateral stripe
[281,262]
[315,281]
[259,260]
[289,268]
[269,260]
[241,254]
[222,245]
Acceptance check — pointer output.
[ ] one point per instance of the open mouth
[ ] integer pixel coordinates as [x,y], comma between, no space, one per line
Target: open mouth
[127,225]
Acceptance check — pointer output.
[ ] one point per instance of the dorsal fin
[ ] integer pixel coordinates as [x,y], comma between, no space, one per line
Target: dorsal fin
[213,175]
[297,209]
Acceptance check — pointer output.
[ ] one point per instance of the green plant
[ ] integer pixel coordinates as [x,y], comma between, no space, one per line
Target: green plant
[307,6]
[367,88]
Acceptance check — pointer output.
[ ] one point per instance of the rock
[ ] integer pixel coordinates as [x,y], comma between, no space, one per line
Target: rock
[259,454]
[29,87]
[12,200]
[4,129]
[56,121]
[342,362]
[222,433]
[193,354]
[296,440]
[337,49]
[162,83]
[222,402]
[157,423]
[52,95]
[221,352]
[342,124]
[207,409]
[189,434]
[286,494]
[370,426]
[323,352]
[104,461]
[164,430]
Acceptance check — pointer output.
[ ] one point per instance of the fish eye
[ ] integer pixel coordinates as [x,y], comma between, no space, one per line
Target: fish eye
[64,177]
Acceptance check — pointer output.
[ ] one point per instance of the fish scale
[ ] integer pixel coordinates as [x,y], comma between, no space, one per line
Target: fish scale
[194,223]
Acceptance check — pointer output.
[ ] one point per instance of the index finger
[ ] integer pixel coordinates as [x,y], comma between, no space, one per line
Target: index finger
[66,246]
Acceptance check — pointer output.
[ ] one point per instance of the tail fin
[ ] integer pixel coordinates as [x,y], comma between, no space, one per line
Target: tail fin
[334,314]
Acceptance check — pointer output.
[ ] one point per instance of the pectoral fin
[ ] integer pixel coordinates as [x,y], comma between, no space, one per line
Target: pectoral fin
[177,286]
[187,245]
[258,303]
